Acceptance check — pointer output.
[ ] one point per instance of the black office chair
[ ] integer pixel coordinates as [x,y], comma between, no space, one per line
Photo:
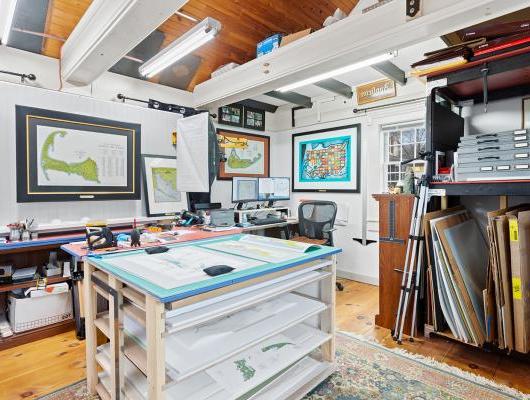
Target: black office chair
[316,220]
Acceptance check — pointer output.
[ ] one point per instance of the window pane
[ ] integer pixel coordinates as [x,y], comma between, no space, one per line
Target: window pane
[393,168]
[408,136]
[395,138]
[394,177]
[420,135]
[394,153]
[421,148]
[408,151]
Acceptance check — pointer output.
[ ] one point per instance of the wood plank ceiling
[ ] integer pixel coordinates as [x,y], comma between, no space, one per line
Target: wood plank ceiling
[244,22]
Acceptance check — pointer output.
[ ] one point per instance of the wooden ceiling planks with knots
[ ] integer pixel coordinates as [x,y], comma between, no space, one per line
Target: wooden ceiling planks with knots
[244,23]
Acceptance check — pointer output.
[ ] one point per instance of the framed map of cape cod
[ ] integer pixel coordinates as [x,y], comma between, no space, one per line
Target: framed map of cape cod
[327,160]
[67,157]
[246,154]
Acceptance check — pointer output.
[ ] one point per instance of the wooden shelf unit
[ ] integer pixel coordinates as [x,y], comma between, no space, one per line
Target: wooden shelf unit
[36,334]
[7,287]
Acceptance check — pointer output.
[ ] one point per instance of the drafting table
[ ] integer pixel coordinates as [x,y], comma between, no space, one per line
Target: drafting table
[143,317]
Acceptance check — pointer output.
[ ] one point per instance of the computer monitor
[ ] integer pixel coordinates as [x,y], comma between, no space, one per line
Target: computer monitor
[244,190]
[273,189]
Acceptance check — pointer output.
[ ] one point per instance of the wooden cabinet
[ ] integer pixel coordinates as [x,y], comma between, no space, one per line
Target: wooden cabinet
[395,213]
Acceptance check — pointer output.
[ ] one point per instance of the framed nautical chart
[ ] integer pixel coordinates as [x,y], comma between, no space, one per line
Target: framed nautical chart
[160,186]
[66,157]
[327,160]
[245,154]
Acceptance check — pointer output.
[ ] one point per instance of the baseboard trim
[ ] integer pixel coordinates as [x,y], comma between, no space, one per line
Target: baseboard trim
[352,276]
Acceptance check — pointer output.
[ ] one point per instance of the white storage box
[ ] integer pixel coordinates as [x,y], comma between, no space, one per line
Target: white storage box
[30,313]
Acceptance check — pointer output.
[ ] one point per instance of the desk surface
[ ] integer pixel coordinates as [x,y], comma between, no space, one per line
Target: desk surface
[80,249]
[168,295]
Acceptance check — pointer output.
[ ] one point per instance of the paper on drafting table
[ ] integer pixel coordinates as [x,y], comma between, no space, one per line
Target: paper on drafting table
[263,248]
[179,266]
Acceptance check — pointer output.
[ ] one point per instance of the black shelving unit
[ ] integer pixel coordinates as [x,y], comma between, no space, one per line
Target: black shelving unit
[500,77]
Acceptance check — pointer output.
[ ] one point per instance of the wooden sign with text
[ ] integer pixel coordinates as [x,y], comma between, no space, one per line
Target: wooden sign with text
[375,91]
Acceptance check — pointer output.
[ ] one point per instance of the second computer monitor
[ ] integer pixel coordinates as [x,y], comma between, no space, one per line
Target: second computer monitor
[273,189]
[244,189]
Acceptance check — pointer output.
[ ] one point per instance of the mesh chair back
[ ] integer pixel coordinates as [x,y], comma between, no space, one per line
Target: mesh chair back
[316,216]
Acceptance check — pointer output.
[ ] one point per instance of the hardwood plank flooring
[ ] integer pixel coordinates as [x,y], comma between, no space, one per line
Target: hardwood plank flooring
[41,367]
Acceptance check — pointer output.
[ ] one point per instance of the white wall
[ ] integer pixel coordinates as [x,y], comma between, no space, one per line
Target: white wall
[357,261]
[98,100]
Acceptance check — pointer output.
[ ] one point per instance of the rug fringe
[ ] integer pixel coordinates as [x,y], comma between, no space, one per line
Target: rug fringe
[441,366]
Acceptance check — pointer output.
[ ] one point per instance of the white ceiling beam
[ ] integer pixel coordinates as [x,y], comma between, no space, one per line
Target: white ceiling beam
[107,32]
[346,42]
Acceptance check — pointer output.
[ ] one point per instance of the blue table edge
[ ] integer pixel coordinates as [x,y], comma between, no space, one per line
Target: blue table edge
[99,261]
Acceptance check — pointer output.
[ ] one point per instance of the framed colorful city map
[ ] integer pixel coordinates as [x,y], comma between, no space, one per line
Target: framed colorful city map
[62,157]
[327,160]
[245,154]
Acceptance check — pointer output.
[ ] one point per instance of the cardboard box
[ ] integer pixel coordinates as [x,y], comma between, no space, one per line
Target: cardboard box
[295,36]
[34,312]
[268,45]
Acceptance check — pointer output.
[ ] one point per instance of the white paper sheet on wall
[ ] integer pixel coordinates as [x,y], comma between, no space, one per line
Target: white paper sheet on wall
[192,154]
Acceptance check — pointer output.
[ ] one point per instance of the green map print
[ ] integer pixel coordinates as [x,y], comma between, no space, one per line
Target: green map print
[86,169]
[235,162]
[164,184]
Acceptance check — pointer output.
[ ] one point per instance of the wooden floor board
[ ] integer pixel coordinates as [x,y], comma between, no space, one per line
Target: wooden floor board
[41,367]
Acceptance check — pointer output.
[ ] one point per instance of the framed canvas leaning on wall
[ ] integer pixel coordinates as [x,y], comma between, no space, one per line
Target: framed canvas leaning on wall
[327,160]
[69,157]
[160,186]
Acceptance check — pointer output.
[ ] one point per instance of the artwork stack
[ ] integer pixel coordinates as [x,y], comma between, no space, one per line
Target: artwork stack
[508,295]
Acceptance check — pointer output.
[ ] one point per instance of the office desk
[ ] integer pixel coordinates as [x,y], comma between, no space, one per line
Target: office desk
[284,226]
[200,340]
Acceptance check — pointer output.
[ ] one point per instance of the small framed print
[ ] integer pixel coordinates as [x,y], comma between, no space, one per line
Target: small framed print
[231,115]
[254,119]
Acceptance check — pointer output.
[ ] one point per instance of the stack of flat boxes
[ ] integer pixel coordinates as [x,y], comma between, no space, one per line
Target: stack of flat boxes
[494,156]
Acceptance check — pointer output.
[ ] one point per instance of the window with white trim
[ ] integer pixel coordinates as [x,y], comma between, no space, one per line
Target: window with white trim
[402,142]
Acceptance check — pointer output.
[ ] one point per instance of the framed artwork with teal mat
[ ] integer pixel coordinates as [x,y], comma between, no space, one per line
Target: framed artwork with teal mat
[327,160]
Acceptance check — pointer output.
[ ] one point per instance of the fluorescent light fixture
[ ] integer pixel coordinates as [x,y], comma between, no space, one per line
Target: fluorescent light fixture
[338,71]
[10,9]
[184,45]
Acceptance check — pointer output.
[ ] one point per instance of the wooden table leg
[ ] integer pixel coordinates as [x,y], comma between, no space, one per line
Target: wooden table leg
[156,361]
[90,329]
[327,318]
[116,337]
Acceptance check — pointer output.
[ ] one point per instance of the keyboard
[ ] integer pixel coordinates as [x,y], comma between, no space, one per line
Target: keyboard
[267,221]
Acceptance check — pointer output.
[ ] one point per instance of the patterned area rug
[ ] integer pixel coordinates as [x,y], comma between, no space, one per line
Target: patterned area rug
[367,370]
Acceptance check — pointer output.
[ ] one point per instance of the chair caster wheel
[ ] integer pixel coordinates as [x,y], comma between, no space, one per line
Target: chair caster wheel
[340,286]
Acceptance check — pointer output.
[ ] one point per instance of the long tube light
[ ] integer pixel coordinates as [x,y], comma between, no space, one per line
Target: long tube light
[338,71]
[11,7]
[202,33]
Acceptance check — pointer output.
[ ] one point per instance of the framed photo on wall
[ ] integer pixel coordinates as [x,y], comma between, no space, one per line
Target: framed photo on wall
[526,113]
[231,114]
[68,157]
[254,119]
[245,154]
[327,160]
[160,186]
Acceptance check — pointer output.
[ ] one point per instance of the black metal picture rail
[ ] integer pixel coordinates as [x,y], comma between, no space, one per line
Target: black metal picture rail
[23,77]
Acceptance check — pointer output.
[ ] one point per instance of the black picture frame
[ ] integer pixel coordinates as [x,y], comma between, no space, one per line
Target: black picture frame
[227,115]
[254,118]
[28,188]
[357,161]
